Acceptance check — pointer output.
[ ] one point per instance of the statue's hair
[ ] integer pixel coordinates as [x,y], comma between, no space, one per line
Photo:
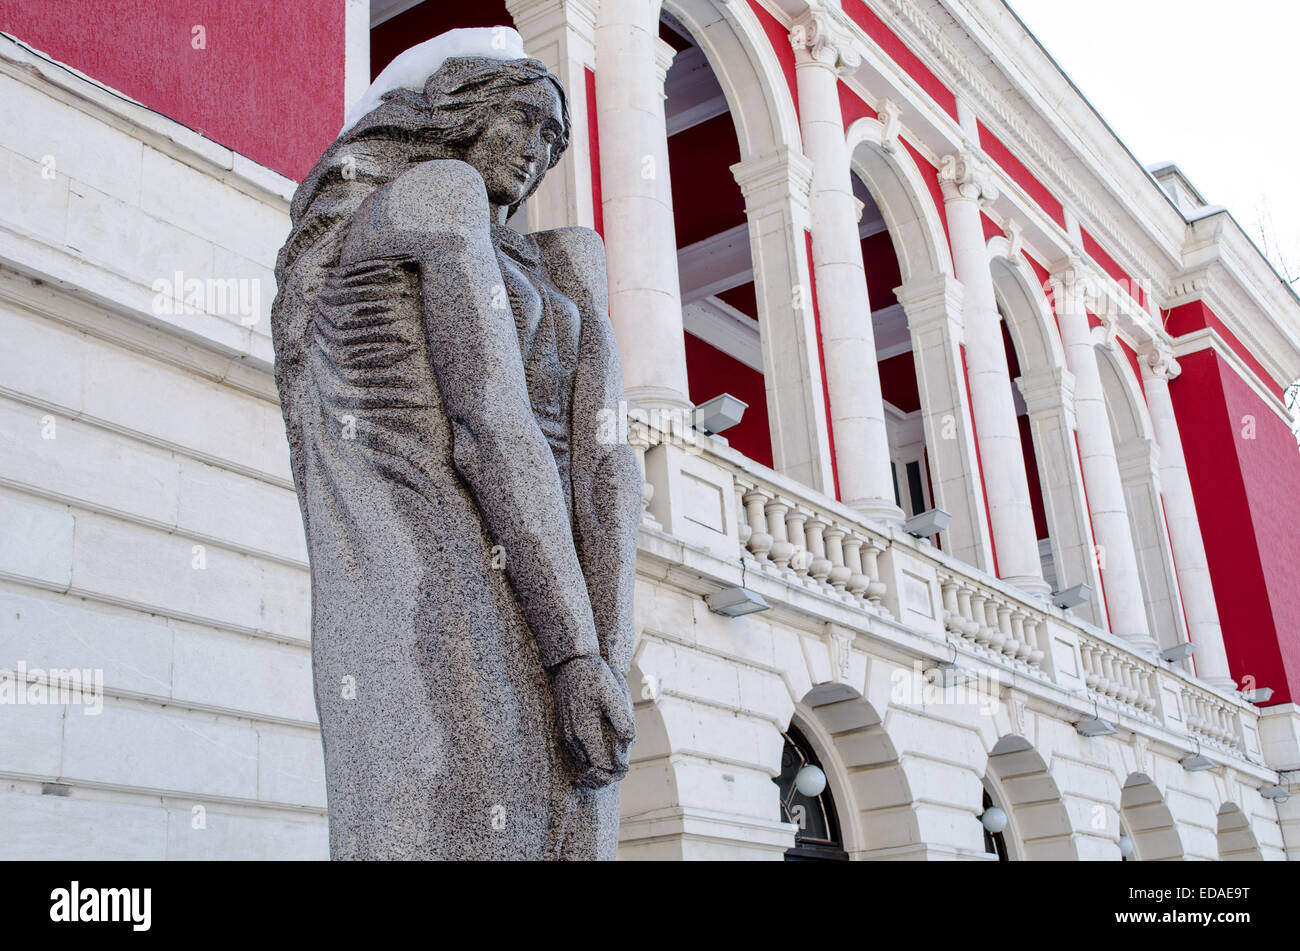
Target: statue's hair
[408,127]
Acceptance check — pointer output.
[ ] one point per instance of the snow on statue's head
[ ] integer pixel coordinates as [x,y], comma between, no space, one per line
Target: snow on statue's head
[434,101]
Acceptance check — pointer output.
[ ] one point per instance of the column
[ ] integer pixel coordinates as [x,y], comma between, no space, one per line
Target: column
[933,305]
[562,34]
[1101,476]
[965,184]
[637,204]
[848,340]
[1158,368]
[776,187]
[1049,397]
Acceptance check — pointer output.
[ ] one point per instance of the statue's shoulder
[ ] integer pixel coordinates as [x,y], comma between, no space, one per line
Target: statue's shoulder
[575,260]
[441,197]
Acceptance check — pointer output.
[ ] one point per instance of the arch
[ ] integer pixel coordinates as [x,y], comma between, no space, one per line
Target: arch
[1039,821]
[1045,386]
[746,67]
[904,200]
[1137,456]
[862,768]
[1149,821]
[1237,842]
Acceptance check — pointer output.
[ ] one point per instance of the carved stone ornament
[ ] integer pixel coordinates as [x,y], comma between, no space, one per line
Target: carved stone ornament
[449,387]
[962,175]
[815,36]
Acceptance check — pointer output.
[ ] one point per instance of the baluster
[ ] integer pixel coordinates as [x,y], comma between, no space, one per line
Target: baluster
[840,572]
[1019,636]
[742,516]
[781,549]
[996,638]
[821,565]
[871,567]
[858,582]
[800,560]
[1010,645]
[967,609]
[638,437]
[760,542]
[1036,635]
[951,610]
[978,600]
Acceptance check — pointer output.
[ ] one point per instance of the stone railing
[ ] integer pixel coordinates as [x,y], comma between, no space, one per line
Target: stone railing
[738,520]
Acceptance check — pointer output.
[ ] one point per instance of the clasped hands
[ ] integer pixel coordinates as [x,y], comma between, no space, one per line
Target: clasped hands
[593,712]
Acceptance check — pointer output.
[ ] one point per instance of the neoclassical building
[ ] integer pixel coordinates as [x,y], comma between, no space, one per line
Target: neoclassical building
[1013,501]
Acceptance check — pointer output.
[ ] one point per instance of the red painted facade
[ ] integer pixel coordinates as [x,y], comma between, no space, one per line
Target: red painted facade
[274,93]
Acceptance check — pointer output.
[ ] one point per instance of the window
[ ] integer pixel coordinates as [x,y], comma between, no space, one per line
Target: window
[818,835]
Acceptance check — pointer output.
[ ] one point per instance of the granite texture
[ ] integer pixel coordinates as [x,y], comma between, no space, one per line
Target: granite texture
[448,386]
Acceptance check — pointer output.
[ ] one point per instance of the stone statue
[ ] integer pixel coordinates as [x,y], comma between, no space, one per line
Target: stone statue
[449,387]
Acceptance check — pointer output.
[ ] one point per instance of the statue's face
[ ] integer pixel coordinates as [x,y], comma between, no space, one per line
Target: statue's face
[515,150]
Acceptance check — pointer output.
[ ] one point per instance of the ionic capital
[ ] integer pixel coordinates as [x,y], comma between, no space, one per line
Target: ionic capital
[817,38]
[964,177]
[1159,360]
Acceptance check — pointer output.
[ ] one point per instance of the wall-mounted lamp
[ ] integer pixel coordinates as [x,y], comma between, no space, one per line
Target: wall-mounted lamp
[1095,726]
[810,781]
[927,524]
[1179,652]
[736,602]
[1197,763]
[1276,792]
[1072,597]
[1258,695]
[721,412]
[1125,845]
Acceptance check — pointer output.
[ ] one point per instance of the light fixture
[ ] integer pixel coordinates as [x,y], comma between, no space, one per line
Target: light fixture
[994,820]
[1072,597]
[1258,695]
[1276,792]
[736,602]
[946,674]
[810,781]
[1125,845]
[1095,726]
[721,412]
[1197,762]
[1179,652]
[928,523]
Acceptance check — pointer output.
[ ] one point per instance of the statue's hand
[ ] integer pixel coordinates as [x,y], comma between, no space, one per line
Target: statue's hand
[594,714]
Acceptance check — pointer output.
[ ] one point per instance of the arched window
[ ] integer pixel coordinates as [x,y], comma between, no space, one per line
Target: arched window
[995,843]
[818,835]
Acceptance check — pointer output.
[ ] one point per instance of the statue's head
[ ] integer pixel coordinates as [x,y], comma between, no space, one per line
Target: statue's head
[507,118]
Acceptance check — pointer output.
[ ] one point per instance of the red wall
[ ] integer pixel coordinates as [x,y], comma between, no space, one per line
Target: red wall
[706,198]
[1246,493]
[269,83]
[711,373]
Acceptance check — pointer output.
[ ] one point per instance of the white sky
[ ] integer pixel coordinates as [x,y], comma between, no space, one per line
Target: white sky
[1204,83]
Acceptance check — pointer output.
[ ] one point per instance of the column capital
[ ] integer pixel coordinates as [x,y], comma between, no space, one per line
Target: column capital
[533,17]
[782,175]
[932,298]
[962,176]
[1159,360]
[1048,391]
[818,40]
[664,54]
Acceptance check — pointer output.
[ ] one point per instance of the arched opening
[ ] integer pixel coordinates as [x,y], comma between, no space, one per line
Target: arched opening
[808,803]
[720,300]
[1237,842]
[1135,452]
[1149,822]
[1043,398]
[1018,779]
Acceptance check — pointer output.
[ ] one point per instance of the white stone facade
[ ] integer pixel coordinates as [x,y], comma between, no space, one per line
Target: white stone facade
[151,529]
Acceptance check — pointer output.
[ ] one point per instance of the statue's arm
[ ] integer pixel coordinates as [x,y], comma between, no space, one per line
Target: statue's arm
[438,213]
[606,479]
